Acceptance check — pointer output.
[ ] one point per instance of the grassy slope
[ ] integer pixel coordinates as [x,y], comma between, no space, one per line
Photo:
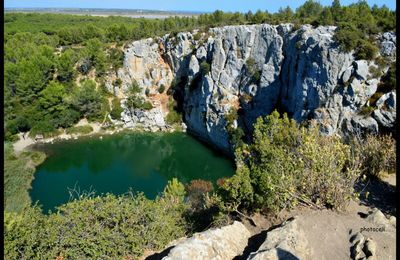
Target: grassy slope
[18,176]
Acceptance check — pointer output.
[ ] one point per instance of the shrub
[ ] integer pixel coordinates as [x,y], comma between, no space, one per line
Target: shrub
[388,81]
[139,102]
[348,36]
[116,109]
[199,186]
[236,134]
[134,88]
[175,189]
[250,63]
[372,100]
[88,101]
[95,227]
[173,117]
[146,105]
[67,118]
[197,36]
[45,128]
[290,164]
[375,72]
[196,192]
[83,129]
[161,89]
[377,154]
[205,67]
[118,82]
[252,69]
[365,50]
[18,176]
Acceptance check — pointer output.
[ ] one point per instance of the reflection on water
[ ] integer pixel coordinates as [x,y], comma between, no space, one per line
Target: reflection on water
[141,161]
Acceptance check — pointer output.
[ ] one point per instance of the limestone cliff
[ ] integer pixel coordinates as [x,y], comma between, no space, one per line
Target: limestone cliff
[254,69]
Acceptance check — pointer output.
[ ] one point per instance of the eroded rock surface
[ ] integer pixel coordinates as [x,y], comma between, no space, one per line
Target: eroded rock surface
[285,242]
[223,243]
[255,69]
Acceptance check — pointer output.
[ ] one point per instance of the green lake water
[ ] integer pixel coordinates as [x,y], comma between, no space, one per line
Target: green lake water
[138,161]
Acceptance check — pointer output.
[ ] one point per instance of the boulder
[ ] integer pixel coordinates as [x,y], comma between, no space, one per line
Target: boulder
[361,69]
[222,243]
[285,242]
[347,74]
[384,118]
[377,217]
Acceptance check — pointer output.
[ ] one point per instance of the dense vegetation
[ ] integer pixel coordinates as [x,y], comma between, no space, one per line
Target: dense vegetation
[287,164]
[54,75]
[97,227]
[47,55]
[18,176]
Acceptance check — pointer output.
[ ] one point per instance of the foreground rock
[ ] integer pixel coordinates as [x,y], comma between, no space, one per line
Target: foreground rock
[255,69]
[223,243]
[357,233]
[285,242]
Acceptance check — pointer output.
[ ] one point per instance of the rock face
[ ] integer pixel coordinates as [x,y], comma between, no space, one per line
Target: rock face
[286,242]
[254,69]
[223,243]
[388,44]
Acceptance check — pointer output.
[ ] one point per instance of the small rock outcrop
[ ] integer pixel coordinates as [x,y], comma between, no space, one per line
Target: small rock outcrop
[377,217]
[388,44]
[223,243]
[285,242]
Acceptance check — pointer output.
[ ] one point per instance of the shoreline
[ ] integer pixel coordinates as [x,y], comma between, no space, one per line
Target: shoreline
[27,142]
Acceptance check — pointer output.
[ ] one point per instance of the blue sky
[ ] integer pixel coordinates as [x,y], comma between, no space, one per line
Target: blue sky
[182,5]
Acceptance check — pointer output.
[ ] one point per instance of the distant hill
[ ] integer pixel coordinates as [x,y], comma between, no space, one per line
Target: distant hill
[134,13]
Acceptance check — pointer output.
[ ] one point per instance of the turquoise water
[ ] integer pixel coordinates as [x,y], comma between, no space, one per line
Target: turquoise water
[138,161]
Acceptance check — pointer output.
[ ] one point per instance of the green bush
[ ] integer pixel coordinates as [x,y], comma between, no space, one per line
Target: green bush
[236,134]
[388,81]
[116,109]
[375,72]
[205,67]
[45,128]
[120,227]
[139,102]
[134,88]
[161,89]
[173,117]
[197,36]
[377,154]
[67,118]
[290,164]
[366,50]
[83,129]
[18,176]
[175,190]
[347,36]
[88,101]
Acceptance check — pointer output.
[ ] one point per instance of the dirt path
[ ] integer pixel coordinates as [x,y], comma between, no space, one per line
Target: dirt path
[22,143]
[329,233]
[26,141]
